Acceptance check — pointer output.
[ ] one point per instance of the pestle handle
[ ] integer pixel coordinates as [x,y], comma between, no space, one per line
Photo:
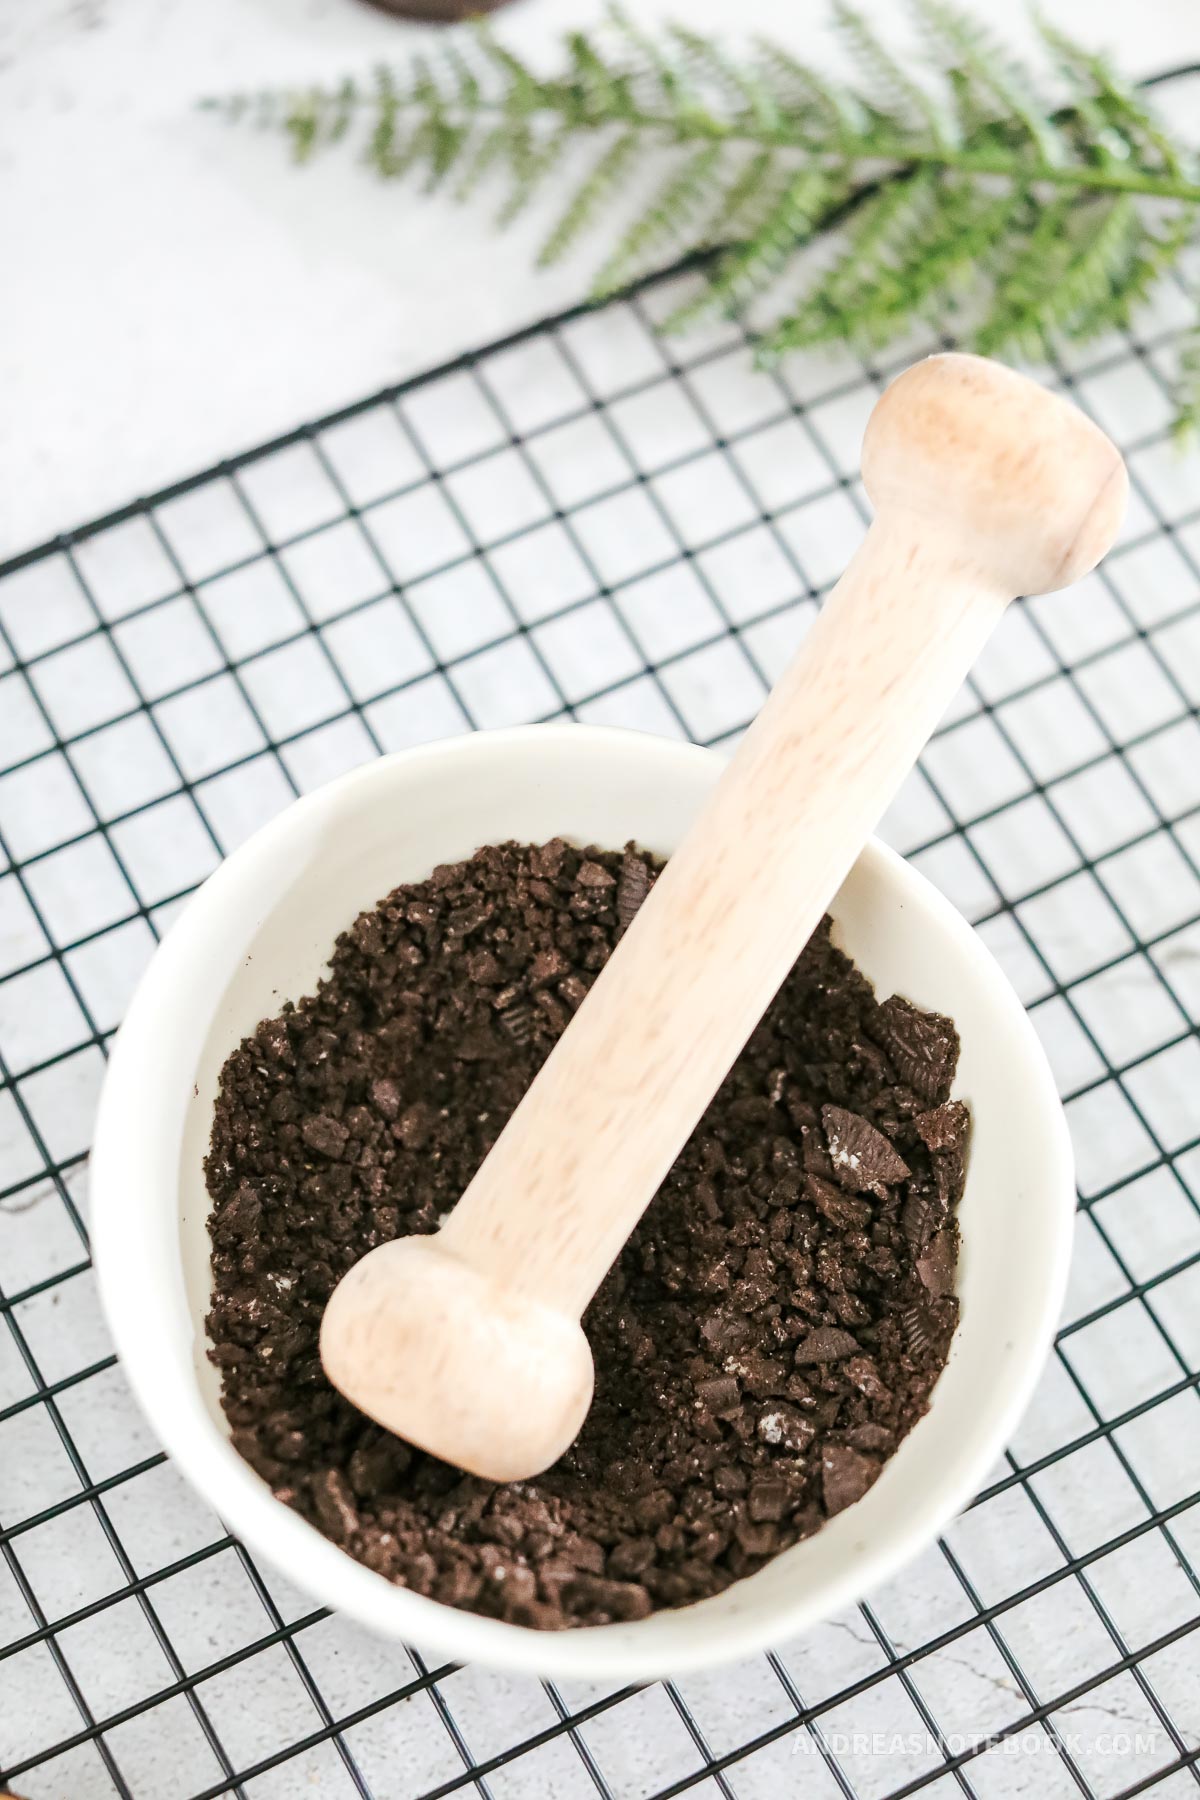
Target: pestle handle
[468,1343]
[622,1090]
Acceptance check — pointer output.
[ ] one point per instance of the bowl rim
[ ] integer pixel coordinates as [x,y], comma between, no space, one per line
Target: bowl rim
[285,1540]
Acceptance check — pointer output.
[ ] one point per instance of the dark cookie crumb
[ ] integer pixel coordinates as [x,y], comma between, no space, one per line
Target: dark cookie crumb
[769,1334]
[633,884]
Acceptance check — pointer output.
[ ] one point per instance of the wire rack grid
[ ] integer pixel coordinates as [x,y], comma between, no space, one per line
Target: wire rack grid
[586,521]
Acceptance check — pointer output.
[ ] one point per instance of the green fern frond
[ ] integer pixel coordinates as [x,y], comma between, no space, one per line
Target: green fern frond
[531,160]
[665,220]
[1154,263]
[410,152]
[958,191]
[1087,286]
[303,123]
[990,75]
[739,208]
[1025,271]
[522,92]
[791,223]
[1146,259]
[486,154]
[602,90]
[741,212]
[462,77]
[897,92]
[597,190]
[448,139]
[341,114]
[1066,267]
[386,100]
[887,220]
[526,159]
[823,313]
[442,131]
[808,94]
[661,74]
[939,268]
[933,266]
[423,88]
[1122,108]
[1186,395]
[746,94]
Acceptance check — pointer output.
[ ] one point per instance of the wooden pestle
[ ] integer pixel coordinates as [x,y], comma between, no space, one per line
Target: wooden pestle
[468,1342]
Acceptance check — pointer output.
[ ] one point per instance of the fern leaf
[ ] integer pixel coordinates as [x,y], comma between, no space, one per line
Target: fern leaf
[448,140]
[342,111]
[803,92]
[942,268]
[423,90]
[822,314]
[959,186]
[740,213]
[666,218]
[523,91]
[1186,393]
[486,154]
[896,89]
[302,123]
[1025,272]
[664,77]
[438,139]
[520,150]
[379,145]
[933,266]
[464,82]
[988,71]
[741,88]
[531,159]
[598,188]
[601,90]
[885,221]
[1062,275]
[1118,103]
[1148,257]
[791,222]
[730,213]
[410,152]
[1086,286]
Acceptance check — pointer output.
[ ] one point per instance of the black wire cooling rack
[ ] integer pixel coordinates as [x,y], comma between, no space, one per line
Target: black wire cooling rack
[586,520]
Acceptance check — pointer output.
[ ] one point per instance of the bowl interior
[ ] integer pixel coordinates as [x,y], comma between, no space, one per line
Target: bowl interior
[260,933]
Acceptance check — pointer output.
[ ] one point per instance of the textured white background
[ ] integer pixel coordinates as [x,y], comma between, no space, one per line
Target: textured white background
[172,292]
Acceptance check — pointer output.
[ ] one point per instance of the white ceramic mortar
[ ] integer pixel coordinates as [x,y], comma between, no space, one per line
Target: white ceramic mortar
[259,932]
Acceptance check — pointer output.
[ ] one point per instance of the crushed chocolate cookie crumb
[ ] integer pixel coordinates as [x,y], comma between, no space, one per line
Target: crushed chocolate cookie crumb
[936,1267]
[923,1046]
[862,1157]
[846,1475]
[916,1335]
[768,1335]
[518,1020]
[633,884]
[825,1344]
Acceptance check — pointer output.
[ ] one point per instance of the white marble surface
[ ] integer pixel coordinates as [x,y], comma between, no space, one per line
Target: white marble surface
[171,292]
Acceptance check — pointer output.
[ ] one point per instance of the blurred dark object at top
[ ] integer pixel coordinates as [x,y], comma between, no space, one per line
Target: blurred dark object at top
[444,10]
